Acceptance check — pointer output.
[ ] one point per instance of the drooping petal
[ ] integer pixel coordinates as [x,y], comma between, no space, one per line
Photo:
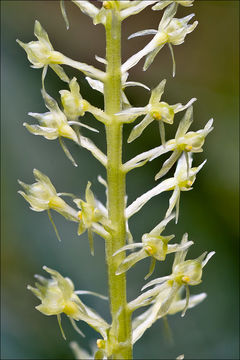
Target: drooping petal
[54,225]
[173,59]
[173,200]
[151,56]
[151,268]
[60,326]
[138,129]
[168,164]
[167,303]
[131,260]
[74,325]
[60,72]
[67,152]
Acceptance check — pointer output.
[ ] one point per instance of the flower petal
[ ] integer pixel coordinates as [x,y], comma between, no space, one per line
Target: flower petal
[143,33]
[138,129]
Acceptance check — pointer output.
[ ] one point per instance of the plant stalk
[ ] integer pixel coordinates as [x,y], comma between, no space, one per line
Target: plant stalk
[119,342]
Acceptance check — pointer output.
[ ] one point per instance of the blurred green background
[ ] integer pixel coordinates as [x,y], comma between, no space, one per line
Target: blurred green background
[207,68]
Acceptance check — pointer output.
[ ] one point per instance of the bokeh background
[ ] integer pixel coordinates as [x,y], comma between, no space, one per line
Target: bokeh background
[207,68]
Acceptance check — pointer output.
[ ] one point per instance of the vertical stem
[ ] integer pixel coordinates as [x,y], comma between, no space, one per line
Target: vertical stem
[119,341]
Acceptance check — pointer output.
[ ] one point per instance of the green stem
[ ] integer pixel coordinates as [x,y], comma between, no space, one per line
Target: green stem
[119,342]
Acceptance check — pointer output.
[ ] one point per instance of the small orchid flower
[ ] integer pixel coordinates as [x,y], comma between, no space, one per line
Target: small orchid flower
[58,297]
[41,53]
[42,196]
[171,31]
[184,177]
[184,142]
[164,3]
[155,110]
[73,103]
[154,245]
[91,213]
[53,125]
[184,273]
[74,106]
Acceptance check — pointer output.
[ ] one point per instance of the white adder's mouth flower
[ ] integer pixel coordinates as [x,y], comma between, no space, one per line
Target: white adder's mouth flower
[57,296]
[53,124]
[73,103]
[92,215]
[184,142]
[154,245]
[41,53]
[171,31]
[42,196]
[155,110]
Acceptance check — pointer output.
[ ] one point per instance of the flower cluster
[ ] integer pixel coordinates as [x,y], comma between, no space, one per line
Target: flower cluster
[165,296]
[110,220]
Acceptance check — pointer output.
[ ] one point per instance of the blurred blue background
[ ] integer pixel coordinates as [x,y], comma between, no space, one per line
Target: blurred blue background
[207,68]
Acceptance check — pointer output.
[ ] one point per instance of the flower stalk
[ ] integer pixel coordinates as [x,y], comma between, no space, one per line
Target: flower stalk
[121,325]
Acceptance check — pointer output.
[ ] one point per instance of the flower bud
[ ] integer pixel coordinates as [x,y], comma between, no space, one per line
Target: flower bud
[73,103]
